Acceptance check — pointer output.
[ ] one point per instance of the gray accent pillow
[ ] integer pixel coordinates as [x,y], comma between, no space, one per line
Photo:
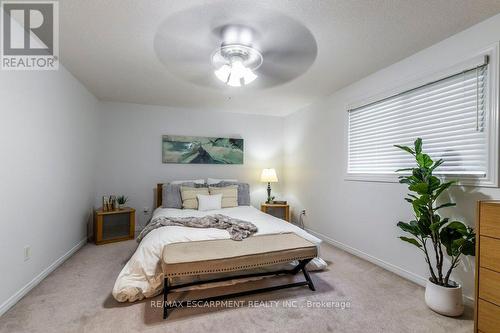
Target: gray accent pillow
[243,191]
[172,194]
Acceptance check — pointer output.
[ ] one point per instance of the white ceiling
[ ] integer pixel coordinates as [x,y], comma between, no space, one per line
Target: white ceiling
[109,46]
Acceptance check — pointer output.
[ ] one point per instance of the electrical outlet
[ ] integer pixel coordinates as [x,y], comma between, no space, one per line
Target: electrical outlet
[145,210]
[27,253]
[303,212]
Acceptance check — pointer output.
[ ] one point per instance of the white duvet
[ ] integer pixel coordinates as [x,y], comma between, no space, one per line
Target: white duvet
[142,276]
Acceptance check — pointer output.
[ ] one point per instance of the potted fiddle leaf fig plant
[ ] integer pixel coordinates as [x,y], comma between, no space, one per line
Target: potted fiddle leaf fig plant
[434,235]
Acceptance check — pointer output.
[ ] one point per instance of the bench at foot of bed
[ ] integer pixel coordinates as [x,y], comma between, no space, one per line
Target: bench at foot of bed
[221,256]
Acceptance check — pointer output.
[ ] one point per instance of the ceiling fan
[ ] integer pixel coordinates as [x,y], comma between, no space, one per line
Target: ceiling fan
[234,45]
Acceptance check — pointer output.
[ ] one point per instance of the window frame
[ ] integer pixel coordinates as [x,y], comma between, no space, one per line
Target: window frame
[492,119]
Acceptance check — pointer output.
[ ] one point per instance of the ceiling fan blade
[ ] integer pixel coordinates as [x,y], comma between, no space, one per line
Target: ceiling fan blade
[276,55]
[273,75]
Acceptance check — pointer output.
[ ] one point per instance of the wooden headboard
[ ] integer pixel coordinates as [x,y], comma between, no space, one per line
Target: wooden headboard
[159,195]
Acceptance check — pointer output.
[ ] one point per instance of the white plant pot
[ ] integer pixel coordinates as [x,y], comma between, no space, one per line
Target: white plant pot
[443,300]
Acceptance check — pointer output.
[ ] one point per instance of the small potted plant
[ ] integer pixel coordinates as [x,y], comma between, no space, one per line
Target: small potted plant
[429,229]
[122,200]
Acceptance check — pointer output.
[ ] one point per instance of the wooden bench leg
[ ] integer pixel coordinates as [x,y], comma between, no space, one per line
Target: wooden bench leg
[165,299]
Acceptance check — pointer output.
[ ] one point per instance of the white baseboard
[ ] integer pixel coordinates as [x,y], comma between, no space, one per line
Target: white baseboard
[420,280]
[11,301]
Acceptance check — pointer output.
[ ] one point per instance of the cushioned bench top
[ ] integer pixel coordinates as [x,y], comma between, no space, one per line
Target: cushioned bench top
[226,255]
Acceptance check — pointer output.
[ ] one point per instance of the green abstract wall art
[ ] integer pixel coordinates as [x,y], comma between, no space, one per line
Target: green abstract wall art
[201,150]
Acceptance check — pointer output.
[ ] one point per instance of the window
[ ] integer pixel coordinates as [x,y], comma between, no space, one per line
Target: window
[450,115]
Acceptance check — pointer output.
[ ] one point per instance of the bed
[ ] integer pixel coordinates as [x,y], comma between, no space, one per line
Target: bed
[143,276]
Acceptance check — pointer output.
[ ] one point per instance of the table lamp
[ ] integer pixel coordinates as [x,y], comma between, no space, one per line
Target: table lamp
[269,176]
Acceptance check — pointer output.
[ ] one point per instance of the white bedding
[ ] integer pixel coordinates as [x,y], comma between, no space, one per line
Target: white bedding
[142,276]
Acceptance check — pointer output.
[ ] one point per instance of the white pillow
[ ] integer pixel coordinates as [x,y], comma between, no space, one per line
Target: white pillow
[196,181]
[209,202]
[212,181]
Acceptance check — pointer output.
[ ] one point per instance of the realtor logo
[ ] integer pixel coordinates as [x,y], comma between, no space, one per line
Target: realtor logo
[29,35]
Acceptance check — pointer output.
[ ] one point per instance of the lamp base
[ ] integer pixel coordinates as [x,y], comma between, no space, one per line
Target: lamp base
[269,198]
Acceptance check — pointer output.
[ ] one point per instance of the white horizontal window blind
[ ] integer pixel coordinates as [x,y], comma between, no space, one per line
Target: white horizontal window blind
[448,114]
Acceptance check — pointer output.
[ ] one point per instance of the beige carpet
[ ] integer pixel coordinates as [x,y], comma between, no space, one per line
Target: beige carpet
[76,298]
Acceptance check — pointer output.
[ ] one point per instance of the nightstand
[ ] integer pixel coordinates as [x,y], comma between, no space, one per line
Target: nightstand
[281,211]
[114,226]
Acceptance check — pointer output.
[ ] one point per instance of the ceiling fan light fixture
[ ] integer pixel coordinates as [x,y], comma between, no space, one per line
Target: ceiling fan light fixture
[223,73]
[235,64]
[249,76]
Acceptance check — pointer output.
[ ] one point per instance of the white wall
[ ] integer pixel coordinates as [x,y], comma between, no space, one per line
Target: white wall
[361,216]
[130,161]
[47,146]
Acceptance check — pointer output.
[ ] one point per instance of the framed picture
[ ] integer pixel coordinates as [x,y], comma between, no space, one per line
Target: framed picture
[201,150]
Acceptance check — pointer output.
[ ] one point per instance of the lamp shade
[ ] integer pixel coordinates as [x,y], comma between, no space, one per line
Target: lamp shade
[269,176]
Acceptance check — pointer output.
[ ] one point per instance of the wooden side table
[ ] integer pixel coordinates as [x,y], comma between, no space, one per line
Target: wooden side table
[114,226]
[281,211]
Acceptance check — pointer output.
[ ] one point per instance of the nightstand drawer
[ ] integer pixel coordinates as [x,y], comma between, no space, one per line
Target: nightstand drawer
[281,211]
[489,255]
[488,317]
[489,289]
[490,220]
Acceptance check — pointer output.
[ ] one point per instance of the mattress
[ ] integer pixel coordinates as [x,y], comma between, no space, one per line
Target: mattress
[142,275]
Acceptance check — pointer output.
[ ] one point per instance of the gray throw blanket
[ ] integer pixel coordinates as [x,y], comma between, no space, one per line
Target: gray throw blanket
[238,229]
